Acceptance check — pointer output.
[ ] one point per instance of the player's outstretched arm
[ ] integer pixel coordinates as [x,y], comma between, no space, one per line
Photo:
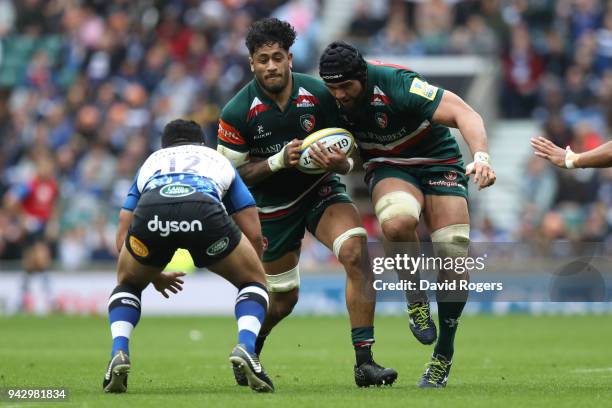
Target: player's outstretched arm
[455,112]
[248,221]
[601,156]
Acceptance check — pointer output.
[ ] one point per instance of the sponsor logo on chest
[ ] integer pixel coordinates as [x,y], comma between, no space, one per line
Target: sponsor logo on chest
[261,132]
[305,99]
[379,98]
[256,108]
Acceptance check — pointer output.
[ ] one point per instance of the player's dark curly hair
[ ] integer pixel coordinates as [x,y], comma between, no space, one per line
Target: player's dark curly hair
[181,131]
[269,31]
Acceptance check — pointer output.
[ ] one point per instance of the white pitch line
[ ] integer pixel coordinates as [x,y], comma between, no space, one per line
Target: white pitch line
[592,370]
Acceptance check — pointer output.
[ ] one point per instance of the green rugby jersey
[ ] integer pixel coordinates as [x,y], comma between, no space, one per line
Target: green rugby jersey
[392,124]
[252,123]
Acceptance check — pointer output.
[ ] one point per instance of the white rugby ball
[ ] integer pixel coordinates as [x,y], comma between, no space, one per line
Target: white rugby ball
[341,138]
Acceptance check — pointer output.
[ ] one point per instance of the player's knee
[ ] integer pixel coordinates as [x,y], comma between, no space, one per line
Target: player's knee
[349,247]
[284,289]
[452,241]
[352,253]
[282,305]
[398,214]
[400,229]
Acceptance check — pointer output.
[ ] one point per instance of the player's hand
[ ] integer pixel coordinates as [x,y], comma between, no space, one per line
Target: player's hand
[334,160]
[546,149]
[168,281]
[483,173]
[291,156]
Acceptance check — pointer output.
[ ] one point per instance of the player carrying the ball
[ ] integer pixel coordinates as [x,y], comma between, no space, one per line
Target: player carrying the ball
[413,165]
[260,131]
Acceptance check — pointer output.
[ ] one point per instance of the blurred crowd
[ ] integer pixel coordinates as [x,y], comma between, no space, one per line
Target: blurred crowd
[90,83]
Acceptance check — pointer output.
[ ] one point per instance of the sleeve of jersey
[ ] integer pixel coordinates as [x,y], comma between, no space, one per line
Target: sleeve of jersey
[238,196]
[132,197]
[230,134]
[417,96]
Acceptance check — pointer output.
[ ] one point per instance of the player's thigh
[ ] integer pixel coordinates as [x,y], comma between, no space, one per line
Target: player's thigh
[133,272]
[282,242]
[397,199]
[388,179]
[331,212]
[336,220]
[283,264]
[441,211]
[445,188]
[282,237]
[241,265]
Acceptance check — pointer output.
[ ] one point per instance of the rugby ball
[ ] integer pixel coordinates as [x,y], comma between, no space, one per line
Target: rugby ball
[328,137]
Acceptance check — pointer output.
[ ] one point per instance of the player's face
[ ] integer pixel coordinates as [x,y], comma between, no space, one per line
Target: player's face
[271,65]
[348,93]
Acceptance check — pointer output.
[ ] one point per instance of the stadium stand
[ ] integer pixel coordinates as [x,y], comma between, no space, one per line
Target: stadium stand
[93,82]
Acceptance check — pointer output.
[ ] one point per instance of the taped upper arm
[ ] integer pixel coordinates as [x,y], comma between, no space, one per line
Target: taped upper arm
[237,158]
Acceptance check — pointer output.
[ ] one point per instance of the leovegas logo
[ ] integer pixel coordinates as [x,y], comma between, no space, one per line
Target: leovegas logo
[138,247]
[229,134]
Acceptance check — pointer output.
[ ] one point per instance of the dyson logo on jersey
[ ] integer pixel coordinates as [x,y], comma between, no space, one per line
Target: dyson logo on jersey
[166,227]
[176,190]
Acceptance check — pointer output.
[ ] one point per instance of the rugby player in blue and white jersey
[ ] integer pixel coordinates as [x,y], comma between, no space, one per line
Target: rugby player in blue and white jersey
[181,198]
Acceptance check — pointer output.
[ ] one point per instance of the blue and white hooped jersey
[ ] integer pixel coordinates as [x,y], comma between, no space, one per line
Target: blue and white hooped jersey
[196,166]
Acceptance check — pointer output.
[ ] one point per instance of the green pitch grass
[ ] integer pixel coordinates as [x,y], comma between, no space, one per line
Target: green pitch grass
[512,361]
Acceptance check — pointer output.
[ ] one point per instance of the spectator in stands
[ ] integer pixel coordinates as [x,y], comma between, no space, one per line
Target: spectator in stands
[33,204]
[522,70]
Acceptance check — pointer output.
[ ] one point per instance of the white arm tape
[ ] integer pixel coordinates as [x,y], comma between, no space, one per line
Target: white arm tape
[351,165]
[570,158]
[277,161]
[479,157]
[237,158]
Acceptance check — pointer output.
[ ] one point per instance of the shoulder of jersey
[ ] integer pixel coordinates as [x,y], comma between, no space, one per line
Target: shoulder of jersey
[312,83]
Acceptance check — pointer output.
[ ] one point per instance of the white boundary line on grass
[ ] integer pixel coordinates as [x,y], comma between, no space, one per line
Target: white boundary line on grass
[592,370]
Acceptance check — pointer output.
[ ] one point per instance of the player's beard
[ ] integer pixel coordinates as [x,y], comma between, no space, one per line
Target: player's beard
[354,109]
[276,88]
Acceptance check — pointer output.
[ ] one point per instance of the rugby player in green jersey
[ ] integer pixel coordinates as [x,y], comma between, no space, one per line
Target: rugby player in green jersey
[413,165]
[260,131]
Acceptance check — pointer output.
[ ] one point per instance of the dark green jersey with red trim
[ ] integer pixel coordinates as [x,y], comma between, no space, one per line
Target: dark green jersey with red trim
[392,123]
[252,123]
